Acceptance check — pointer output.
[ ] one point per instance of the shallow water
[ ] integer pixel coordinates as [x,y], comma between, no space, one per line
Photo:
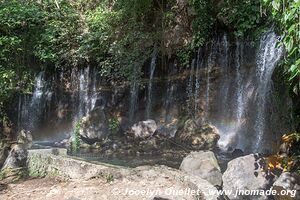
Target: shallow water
[132,161]
[171,158]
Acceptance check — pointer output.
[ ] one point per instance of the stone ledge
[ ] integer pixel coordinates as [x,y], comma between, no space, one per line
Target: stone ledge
[55,162]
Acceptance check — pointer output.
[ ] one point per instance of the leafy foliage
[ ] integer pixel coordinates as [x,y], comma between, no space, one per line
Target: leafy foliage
[288,160]
[203,22]
[242,16]
[75,144]
[114,125]
[287,16]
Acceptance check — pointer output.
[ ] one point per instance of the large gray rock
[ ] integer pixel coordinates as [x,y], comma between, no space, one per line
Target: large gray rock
[143,129]
[289,182]
[94,126]
[199,137]
[203,164]
[16,158]
[246,173]
[4,149]
[25,138]
[167,130]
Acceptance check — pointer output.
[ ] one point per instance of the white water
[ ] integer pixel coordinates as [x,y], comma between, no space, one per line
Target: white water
[36,106]
[171,88]
[225,79]
[239,84]
[197,84]
[83,93]
[32,109]
[226,97]
[210,65]
[150,83]
[87,92]
[190,90]
[134,89]
[268,57]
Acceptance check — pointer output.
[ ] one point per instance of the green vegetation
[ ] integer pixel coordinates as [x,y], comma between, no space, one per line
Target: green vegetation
[118,36]
[114,125]
[75,144]
[109,178]
[244,17]
[286,15]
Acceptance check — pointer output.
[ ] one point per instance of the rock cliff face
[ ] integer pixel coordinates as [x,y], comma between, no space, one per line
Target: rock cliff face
[220,87]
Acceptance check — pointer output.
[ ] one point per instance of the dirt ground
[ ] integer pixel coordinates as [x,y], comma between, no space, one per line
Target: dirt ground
[93,189]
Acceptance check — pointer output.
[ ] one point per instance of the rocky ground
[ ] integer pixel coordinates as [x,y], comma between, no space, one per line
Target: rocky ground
[54,188]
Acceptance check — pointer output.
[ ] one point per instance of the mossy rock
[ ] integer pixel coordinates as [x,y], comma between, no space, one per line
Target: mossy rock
[11,175]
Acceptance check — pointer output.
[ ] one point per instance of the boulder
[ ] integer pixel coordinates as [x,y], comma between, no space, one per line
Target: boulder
[143,129]
[25,138]
[149,144]
[16,158]
[290,182]
[4,150]
[167,130]
[244,174]
[203,164]
[94,126]
[199,137]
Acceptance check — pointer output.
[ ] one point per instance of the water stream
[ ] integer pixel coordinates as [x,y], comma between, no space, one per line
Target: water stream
[150,83]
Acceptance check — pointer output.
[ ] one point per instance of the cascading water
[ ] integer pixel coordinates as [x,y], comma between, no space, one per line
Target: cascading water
[134,89]
[171,87]
[32,109]
[190,90]
[36,101]
[197,84]
[239,84]
[94,92]
[233,108]
[150,83]
[83,92]
[223,107]
[268,57]
[23,112]
[210,65]
[87,91]
[223,87]
[233,134]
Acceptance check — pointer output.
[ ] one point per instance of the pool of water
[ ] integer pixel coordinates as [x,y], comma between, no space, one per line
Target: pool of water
[168,159]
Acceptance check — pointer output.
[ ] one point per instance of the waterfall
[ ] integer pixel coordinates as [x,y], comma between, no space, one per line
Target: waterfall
[94,92]
[223,108]
[83,93]
[150,83]
[32,109]
[239,123]
[171,87]
[197,83]
[87,91]
[268,57]
[190,90]
[223,85]
[230,131]
[239,84]
[210,64]
[36,106]
[24,102]
[134,89]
